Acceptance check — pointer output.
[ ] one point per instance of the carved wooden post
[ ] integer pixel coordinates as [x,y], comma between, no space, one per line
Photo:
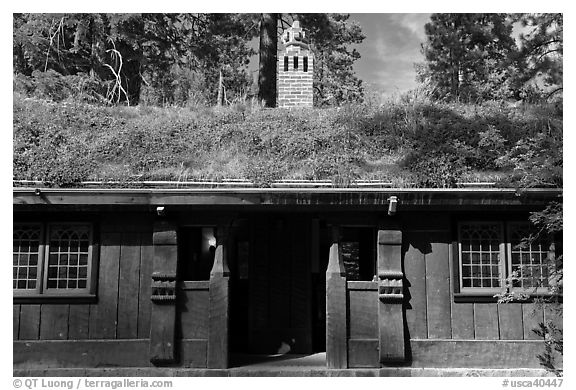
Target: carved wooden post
[163,311]
[390,294]
[336,332]
[219,303]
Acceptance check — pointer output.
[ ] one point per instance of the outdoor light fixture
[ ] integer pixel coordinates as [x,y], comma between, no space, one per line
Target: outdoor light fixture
[212,241]
[392,204]
[160,211]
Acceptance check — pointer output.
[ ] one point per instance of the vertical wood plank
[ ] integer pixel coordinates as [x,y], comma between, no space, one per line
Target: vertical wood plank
[438,288]
[510,321]
[336,324]
[194,306]
[163,309]
[532,317]
[103,315]
[462,314]
[29,322]
[79,322]
[363,322]
[129,277]
[219,316]
[15,321]
[462,321]
[54,322]
[415,274]
[146,258]
[486,321]
[390,296]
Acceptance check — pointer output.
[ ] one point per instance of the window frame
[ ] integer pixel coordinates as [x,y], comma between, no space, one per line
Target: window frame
[42,291]
[505,262]
[551,254]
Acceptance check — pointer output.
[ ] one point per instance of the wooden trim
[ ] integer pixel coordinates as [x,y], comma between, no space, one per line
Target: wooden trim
[219,309]
[163,311]
[476,353]
[336,306]
[194,285]
[59,299]
[410,198]
[362,285]
[484,298]
[80,353]
[390,295]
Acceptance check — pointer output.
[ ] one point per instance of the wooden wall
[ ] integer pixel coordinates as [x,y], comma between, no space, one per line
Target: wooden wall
[431,312]
[122,310]
[193,323]
[363,342]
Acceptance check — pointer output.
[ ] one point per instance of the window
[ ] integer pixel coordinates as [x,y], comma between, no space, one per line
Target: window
[305,64]
[491,252]
[358,253]
[295,62]
[285,63]
[54,259]
[197,247]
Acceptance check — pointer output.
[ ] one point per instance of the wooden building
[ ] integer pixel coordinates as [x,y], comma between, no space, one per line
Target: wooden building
[193,277]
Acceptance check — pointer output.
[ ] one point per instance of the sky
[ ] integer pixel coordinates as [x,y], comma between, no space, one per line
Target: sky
[389,51]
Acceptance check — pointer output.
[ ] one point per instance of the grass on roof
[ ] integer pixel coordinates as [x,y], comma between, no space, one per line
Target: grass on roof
[406,140]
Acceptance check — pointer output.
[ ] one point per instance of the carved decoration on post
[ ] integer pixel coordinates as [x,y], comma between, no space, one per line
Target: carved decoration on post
[390,294]
[219,303]
[336,324]
[163,293]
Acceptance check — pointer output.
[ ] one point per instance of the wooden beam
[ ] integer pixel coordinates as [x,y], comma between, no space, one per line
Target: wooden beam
[351,197]
[219,312]
[336,324]
[391,296]
[163,297]
[476,353]
[80,353]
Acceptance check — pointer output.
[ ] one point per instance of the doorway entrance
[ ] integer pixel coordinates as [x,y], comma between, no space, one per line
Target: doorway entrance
[277,300]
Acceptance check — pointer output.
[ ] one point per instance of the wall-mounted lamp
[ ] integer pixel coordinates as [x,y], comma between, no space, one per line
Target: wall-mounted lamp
[160,211]
[392,205]
[212,241]
[37,192]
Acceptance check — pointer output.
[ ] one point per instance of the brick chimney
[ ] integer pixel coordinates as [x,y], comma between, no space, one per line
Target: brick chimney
[295,69]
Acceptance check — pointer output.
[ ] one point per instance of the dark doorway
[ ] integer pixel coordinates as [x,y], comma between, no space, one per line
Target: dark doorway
[275,302]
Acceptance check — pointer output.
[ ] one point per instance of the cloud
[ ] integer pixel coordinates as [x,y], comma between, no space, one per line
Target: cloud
[391,48]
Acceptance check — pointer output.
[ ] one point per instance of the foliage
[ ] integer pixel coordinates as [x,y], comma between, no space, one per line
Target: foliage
[473,57]
[467,55]
[132,50]
[409,140]
[539,61]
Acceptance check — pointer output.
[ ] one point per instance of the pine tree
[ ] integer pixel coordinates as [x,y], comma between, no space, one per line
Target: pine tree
[467,55]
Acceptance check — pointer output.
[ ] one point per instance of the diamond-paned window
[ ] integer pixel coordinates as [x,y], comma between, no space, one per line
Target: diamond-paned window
[26,256]
[52,259]
[490,253]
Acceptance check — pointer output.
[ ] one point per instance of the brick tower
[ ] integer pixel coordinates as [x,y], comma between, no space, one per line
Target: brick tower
[295,69]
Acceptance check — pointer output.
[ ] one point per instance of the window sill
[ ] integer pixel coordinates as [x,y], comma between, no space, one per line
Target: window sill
[478,297]
[51,298]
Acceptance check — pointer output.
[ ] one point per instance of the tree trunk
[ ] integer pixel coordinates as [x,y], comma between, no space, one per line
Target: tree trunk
[220,90]
[268,49]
